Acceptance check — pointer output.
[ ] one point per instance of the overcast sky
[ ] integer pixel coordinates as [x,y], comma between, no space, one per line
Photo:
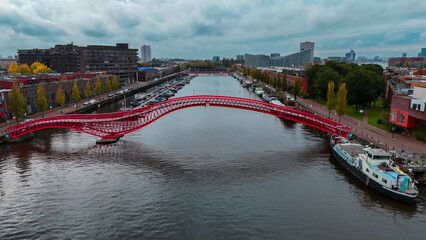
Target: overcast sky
[200,29]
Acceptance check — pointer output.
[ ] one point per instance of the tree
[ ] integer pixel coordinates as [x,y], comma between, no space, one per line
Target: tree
[16,102]
[361,87]
[88,91]
[13,68]
[326,75]
[41,68]
[296,87]
[341,100]
[60,97]
[75,95]
[41,99]
[107,85]
[284,83]
[114,83]
[98,86]
[331,98]
[34,66]
[24,69]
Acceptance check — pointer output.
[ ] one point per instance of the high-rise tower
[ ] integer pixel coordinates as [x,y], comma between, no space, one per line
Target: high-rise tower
[146,53]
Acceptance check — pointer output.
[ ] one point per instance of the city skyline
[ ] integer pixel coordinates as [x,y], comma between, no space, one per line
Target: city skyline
[201,29]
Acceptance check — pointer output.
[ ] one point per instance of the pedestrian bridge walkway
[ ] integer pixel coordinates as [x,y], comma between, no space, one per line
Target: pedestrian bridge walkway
[111,125]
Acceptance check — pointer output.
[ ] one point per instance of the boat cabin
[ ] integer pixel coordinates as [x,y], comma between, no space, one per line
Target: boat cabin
[376,156]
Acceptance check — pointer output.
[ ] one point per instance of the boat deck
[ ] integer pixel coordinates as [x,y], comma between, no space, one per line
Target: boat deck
[352,149]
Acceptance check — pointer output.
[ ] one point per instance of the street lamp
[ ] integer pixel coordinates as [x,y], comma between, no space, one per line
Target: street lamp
[75,105]
[50,111]
[99,105]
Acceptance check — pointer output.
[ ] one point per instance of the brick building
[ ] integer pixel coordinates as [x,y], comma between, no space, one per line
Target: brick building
[409,110]
[119,60]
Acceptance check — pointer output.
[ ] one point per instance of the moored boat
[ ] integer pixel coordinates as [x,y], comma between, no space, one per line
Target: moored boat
[375,168]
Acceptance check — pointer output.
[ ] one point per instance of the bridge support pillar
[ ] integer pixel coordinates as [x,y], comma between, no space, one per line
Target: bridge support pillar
[108,140]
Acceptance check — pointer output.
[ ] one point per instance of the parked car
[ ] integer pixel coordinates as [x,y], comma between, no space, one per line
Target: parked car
[110,95]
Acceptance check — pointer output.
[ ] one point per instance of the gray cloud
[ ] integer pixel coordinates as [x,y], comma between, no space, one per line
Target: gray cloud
[201,29]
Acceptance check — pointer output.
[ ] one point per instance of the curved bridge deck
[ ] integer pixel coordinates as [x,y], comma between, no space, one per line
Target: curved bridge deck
[111,125]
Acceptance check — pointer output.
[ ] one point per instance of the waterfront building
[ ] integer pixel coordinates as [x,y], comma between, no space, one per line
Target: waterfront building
[146,53]
[409,110]
[119,60]
[298,59]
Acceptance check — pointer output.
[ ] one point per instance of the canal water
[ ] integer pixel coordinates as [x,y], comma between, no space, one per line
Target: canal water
[196,173]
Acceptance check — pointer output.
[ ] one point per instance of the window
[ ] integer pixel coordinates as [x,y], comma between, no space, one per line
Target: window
[375,175]
[393,116]
[368,170]
[384,180]
[414,106]
[401,118]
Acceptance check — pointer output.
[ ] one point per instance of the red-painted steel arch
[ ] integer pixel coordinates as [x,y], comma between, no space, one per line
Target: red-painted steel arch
[111,125]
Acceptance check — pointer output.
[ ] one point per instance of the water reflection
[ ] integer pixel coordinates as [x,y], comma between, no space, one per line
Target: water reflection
[369,197]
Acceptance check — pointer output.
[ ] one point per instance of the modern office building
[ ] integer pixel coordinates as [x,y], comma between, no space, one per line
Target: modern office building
[304,46]
[146,53]
[240,57]
[298,59]
[422,53]
[350,56]
[119,60]
[215,59]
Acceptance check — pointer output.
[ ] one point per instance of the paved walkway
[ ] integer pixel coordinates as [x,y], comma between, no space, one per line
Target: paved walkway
[368,132]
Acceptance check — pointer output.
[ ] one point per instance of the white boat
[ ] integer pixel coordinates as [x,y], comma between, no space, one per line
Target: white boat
[259,91]
[375,168]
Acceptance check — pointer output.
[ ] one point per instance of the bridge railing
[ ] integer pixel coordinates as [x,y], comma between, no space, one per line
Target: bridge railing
[116,124]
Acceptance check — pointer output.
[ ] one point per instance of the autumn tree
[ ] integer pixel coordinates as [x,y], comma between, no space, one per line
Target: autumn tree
[13,68]
[16,102]
[296,88]
[88,91]
[24,69]
[331,98]
[114,83]
[34,66]
[98,86]
[41,99]
[38,67]
[75,95]
[341,100]
[107,85]
[60,97]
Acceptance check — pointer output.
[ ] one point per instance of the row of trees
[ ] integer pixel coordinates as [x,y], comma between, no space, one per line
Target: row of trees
[338,104]
[24,69]
[17,104]
[364,83]
[279,82]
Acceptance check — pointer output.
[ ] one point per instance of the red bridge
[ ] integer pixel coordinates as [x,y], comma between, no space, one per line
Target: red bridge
[117,124]
[210,72]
